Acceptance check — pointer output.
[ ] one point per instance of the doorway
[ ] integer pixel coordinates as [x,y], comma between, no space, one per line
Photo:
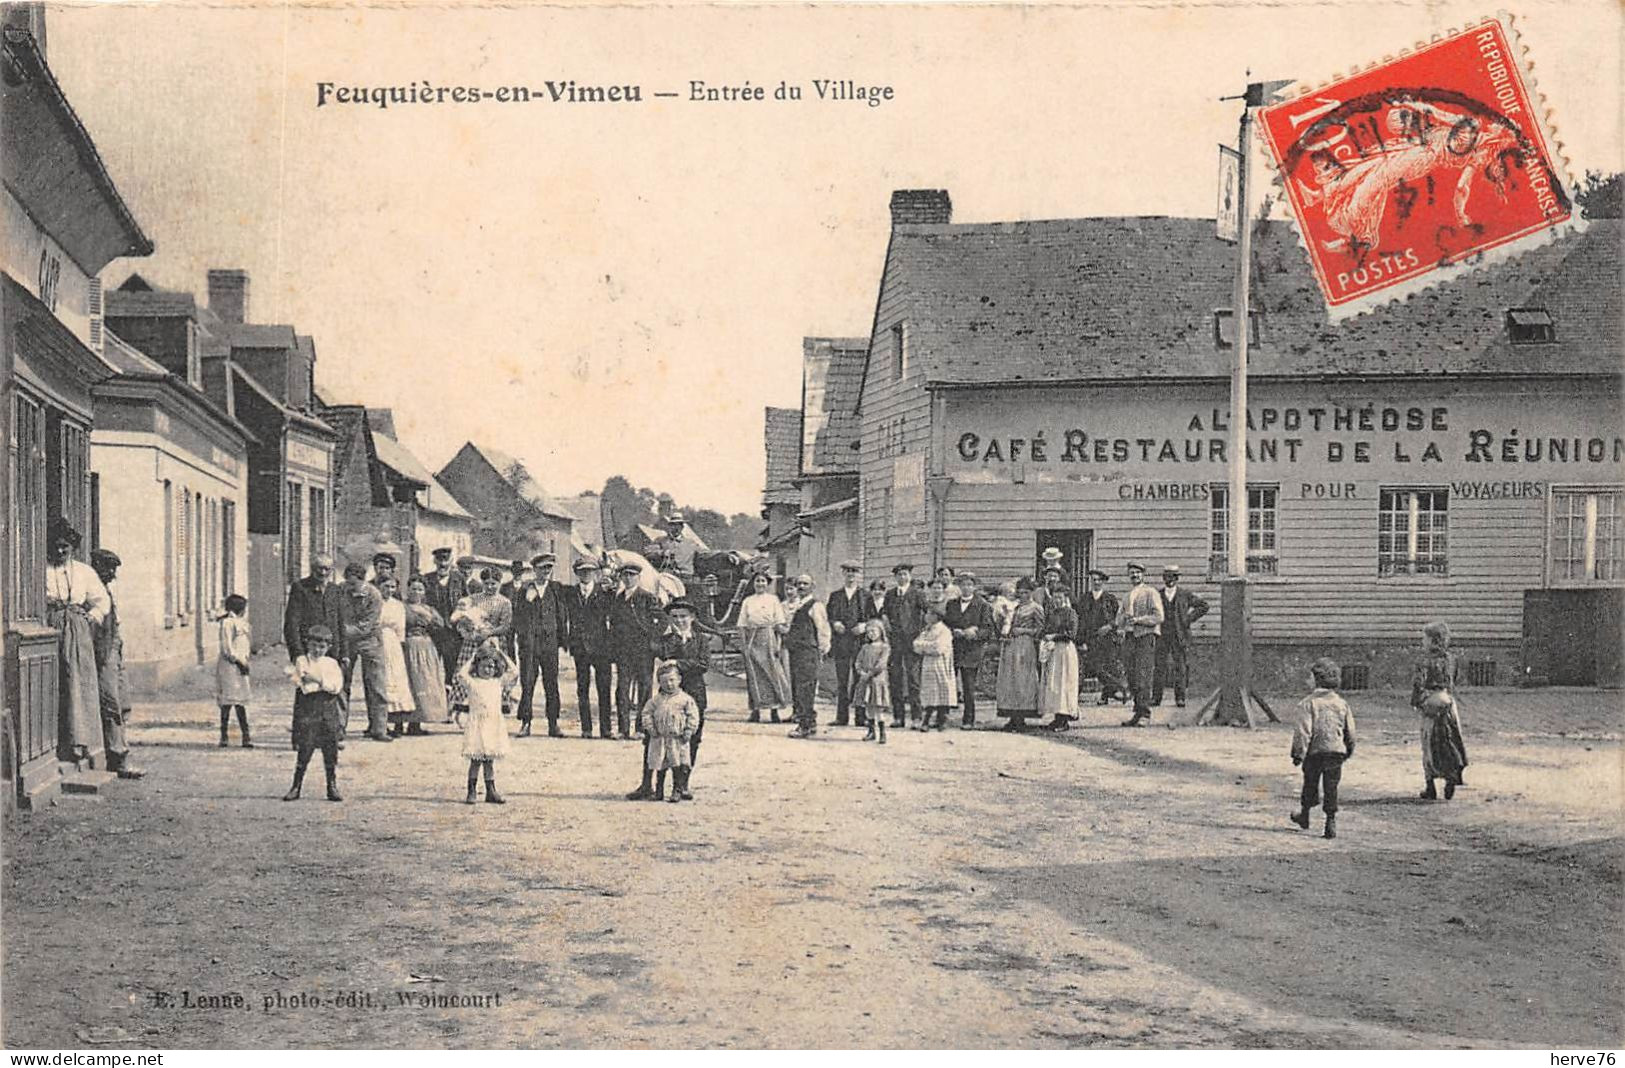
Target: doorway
[1572,637]
[1074,546]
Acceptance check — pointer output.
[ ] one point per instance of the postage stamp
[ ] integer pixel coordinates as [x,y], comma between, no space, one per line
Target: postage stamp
[1420,168]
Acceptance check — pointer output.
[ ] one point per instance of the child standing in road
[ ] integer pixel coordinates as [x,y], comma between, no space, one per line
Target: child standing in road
[485,736]
[231,689]
[668,721]
[317,716]
[1323,740]
[871,689]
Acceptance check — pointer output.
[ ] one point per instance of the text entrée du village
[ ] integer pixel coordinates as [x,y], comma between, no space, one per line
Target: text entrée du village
[569,91]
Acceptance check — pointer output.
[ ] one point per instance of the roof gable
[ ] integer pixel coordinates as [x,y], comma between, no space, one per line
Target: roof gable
[520,480]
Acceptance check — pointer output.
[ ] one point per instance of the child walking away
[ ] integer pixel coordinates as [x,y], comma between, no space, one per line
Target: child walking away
[938,689]
[1323,740]
[667,723]
[485,737]
[871,689]
[1433,694]
[317,716]
[231,689]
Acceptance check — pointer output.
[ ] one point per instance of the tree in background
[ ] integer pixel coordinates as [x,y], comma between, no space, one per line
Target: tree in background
[626,506]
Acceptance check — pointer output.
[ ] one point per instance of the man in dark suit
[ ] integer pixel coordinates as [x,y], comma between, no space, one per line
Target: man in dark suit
[316,599]
[635,619]
[443,588]
[1097,630]
[1180,609]
[848,609]
[970,618]
[905,618]
[541,625]
[588,604]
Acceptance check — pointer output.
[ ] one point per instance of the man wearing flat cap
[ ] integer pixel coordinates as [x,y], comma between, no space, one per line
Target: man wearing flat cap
[905,619]
[541,624]
[1180,609]
[115,697]
[848,609]
[588,603]
[635,619]
[1097,625]
[443,588]
[1139,620]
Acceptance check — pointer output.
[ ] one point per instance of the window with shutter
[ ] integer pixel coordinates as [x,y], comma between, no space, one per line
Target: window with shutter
[94,311]
[169,554]
[26,562]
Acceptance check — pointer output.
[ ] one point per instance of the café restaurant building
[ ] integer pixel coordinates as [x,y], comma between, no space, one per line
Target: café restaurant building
[1458,456]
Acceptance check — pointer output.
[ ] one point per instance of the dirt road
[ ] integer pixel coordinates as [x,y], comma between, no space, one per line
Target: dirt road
[1109,887]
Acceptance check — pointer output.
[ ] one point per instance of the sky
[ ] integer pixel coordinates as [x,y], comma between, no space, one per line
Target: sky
[608,289]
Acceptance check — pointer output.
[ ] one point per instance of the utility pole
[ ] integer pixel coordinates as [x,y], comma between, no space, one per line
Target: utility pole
[1229,705]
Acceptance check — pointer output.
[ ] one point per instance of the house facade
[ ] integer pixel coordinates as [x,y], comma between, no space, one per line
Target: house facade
[170,473]
[781,498]
[63,221]
[1458,457]
[263,375]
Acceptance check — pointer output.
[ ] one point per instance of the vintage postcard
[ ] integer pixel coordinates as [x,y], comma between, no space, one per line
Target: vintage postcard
[811,526]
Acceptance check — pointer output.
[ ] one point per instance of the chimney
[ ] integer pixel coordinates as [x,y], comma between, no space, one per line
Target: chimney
[228,295]
[29,17]
[929,206]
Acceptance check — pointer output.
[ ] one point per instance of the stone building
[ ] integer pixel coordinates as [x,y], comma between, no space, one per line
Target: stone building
[514,516]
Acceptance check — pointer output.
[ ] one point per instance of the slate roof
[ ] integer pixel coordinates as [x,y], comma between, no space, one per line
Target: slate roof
[128,359]
[154,303]
[1131,298]
[831,383]
[783,441]
[258,335]
[524,483]
[395,456]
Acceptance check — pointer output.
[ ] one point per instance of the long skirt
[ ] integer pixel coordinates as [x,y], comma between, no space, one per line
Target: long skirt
[1017,690]
[766,681]
[465,657]
[80,698]
[1058,694]
[427,675]
[938,687]
[397,684]
[1444,755]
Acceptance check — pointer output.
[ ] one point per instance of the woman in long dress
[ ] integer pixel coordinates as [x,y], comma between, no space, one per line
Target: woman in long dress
[939,690]
[425,671]
[398,701]
[75,603]
[1058,688]
[1017,690]
[1433,695]
[762,626]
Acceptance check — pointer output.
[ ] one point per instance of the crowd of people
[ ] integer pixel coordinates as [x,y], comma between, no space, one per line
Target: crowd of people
[467,645]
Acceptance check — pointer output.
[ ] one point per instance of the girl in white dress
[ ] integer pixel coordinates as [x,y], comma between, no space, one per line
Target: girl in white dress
[485,736]
[398,699]
[939,690]
[231,688]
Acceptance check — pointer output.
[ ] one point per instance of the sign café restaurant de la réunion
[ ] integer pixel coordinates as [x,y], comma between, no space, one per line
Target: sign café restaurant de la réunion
[1372,509]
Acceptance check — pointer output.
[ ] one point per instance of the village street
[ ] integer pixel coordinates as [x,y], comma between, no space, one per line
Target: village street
[1109,887]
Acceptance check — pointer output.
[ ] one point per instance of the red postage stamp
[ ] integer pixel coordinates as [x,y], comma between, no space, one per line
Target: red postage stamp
[1419,168]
